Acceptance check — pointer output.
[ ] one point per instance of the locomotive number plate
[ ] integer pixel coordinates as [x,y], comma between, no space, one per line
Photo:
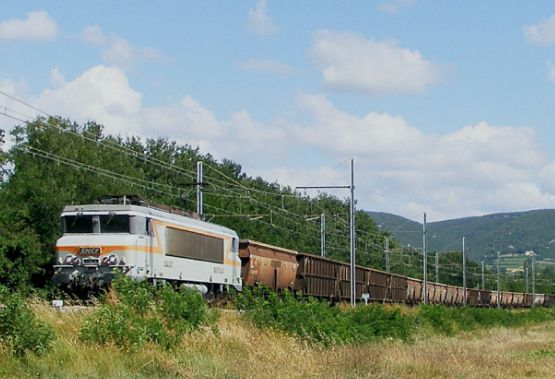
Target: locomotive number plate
[89,251]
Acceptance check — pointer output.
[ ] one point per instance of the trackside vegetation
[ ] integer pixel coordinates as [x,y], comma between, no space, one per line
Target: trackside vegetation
[21,333]
[135,313]
[319,323]
[446,321]
[142,331]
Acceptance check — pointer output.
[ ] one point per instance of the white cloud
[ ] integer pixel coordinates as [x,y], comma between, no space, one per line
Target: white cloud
[475,170]
[92,35]
[374,135]
[187,120]
[14,110]
[38,26]
[251,137]
[56,78]
[238,138]
[102,94]
[542,34]
[265,65]
[547,177]
[15,89]
[259,22]
[118,52]
[316,176]
[471,171]
[350,62]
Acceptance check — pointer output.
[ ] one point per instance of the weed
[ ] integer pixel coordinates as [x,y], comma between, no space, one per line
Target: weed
[318,322]
[20,331]
[136,312]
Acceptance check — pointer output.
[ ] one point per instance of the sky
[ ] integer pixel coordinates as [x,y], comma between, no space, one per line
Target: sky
[446,107]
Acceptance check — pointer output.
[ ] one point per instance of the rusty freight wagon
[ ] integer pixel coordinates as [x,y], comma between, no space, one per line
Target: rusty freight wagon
[413,294]
[328,279]
[478,298]
[272,266]
[322,278]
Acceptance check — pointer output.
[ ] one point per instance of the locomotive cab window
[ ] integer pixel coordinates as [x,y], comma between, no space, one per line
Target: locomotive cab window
[78,224]
[110,223]
[114,224]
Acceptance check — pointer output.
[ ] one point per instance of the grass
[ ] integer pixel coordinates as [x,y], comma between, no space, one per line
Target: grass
[242,351]
[285,339]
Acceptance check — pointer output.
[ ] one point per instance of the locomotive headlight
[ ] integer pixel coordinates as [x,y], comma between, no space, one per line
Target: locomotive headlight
[105,261]
[68,259]
[76,261]
[113,259]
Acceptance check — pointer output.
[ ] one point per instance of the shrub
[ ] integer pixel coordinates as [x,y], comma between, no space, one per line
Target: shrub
[438,318]
[20,331]
[318,322]
[448,321]
[136,312]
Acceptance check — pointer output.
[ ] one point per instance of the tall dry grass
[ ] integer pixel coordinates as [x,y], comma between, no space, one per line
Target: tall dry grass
[240,351]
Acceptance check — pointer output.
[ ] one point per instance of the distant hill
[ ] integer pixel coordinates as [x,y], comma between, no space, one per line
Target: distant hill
[508,233]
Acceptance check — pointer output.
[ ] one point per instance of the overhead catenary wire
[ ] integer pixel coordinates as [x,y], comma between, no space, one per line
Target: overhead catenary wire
[133,153]
[229,186]
[109,143]
[131,180]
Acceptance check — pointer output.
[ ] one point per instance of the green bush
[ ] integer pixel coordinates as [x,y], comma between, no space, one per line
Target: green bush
[448,321]
[438,318]
[20,331]
[318,322]
[136,312]
[374,322]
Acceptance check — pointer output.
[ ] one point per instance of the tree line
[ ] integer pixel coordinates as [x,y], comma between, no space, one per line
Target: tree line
[55,162]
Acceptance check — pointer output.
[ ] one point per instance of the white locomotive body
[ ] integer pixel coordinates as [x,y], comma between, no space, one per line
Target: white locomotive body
[143,242]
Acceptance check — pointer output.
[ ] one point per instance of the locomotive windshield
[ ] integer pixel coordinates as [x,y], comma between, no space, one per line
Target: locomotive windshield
[77,224]
[111,223]
[114,224]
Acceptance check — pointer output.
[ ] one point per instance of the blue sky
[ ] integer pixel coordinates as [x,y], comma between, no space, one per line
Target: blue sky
[446,107]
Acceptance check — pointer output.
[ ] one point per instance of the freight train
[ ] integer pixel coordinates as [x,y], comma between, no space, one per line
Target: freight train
[147,241]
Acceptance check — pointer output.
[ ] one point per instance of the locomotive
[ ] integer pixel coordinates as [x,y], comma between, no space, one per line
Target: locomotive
[144,241]
[148,241]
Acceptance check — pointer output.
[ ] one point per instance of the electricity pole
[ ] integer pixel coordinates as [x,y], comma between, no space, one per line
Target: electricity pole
[323,235]
[498,283]
[437,267]
[387,268]
[464,273]
[425,260]
[483,277]
[352,228]
[199,188]
[353,266]
[533,283]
